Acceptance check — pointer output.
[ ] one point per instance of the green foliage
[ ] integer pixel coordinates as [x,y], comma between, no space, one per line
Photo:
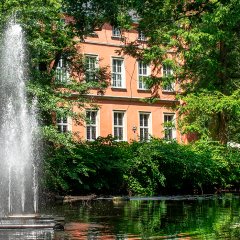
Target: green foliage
[174,168]
[88,167]
[49,38]
[203,111]
[206,38]
[203,37]
[91,15]
[142,168]
[169,167]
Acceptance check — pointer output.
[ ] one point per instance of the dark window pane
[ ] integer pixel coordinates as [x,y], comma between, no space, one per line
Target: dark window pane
[94,133]
[64,128]
[88,133]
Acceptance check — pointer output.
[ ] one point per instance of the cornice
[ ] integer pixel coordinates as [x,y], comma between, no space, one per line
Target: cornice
[104,43]
[129,99]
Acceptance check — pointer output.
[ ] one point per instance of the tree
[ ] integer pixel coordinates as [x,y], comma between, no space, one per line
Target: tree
[204,38]
[49,38]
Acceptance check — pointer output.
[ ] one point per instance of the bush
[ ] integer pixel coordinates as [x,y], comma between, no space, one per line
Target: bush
[142,168]
[168,167]
[88,167]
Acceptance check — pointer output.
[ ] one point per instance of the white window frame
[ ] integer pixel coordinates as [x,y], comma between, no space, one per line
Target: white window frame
[62,124]
[89,69]
[62,71]
[118,74]
[119,126]
[172,134]
[116,32]
[92,125]
[141,36]
[166,72]
[143,126]
[141,75]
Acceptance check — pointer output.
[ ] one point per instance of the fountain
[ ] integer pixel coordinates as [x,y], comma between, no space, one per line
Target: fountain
[19,151]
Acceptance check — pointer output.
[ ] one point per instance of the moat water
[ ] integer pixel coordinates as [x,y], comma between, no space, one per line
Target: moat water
[211,218]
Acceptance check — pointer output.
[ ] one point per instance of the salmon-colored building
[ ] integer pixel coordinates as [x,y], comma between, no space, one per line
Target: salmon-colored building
[121,110]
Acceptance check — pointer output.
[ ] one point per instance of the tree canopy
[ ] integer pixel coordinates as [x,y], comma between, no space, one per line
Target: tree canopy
[202,35]
[48,39]
[204,38]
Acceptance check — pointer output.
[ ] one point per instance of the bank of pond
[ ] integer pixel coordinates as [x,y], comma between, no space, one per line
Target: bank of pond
[157,167]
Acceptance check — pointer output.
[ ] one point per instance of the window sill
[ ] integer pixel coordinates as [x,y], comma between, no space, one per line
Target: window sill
[120,140]
[144,140]
[169,92]
[144,90]
[90,140]
[117,38]
[119,89]
[93,35]
[142,41]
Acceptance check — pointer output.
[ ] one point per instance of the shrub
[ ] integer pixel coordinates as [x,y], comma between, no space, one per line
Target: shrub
[142,168]
[168,167]
[88,167]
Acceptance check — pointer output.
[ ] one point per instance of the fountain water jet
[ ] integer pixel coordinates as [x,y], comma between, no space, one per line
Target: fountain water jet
[19,146]
[18,126]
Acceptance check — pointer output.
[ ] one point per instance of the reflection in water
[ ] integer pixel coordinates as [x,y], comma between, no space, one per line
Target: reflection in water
[215,218]
[27,234]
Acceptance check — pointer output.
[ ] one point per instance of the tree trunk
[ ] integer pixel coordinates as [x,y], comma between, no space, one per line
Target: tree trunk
[222,128]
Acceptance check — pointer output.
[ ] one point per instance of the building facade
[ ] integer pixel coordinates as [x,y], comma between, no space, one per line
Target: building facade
[122,111]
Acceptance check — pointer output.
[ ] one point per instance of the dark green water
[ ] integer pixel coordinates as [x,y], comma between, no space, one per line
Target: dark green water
[214,218]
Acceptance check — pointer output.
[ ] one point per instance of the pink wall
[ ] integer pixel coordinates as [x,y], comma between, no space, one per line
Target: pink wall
[127,99]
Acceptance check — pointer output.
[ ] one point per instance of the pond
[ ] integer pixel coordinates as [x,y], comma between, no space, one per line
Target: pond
[215,217]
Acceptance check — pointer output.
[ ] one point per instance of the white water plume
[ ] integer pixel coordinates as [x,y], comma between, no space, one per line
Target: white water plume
[18,128]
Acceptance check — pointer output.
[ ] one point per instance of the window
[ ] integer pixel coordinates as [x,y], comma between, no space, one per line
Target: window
[116,32]
[144,126]
[143,72]
[91,68]
[141,36]
[118,125]
[62,124]
[91,125]
[117,73]
[62,73]
[169,126]
[168,72]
